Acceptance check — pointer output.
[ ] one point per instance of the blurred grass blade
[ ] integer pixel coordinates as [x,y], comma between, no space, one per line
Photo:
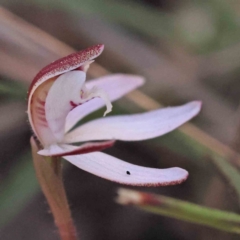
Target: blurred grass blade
[13,89]
[147,20]
[143,18]
[17,189]
[230,172]
[151,21]
[166,206]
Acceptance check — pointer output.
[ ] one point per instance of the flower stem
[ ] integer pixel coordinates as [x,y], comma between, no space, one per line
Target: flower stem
[49,174]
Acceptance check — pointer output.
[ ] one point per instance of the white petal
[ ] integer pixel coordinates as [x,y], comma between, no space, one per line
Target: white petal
[64,92]
[65,149]
[115,86]
[113,169]
[135,127]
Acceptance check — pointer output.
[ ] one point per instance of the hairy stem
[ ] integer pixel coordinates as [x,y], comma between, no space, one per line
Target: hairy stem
[49,174]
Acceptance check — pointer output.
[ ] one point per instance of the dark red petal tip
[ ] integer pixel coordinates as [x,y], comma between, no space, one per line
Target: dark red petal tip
[68,63]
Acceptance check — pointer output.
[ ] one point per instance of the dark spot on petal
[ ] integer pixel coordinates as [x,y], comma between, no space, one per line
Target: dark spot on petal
[128,173]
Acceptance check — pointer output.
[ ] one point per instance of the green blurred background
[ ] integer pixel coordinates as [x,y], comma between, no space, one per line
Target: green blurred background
[187,50]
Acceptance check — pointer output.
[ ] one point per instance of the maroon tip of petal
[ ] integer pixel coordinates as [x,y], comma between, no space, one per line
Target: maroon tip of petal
[70,62]
[159,184]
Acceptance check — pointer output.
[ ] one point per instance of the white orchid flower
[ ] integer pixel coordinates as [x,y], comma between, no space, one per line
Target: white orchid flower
[59,97]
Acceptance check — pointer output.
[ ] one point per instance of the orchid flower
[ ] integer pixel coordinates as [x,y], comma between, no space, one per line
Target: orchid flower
[59,97]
